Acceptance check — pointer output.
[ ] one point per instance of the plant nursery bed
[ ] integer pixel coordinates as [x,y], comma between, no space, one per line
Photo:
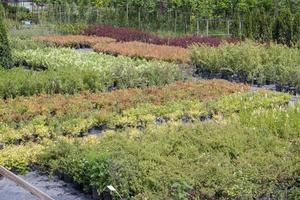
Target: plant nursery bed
[235,78]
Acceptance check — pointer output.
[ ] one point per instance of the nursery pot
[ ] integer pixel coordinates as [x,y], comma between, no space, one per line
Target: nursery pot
[95,195]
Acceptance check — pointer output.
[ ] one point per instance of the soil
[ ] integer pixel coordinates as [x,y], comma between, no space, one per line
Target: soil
[55,188]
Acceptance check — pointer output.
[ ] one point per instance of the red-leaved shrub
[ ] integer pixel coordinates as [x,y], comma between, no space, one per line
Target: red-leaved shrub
[189,40]
[122,34]
[129,34]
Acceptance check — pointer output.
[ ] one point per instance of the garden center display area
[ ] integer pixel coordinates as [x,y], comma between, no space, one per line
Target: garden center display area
[156,116]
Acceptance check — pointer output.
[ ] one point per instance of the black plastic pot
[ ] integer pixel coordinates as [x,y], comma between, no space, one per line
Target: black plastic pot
[59,174]
[77,186]
[210,115]
[159,120]
[226,74]
[96,130]
[233,78]
[113,87]
[218,75]
[67,178]
[254,81]
[293,90]
[285,88]
[34,167]
[95,195]
[202,118]
[186,119]
[242,78]
[278,87]
[106,195]
[141,125]
[268,82]
[17,142]
[83,134]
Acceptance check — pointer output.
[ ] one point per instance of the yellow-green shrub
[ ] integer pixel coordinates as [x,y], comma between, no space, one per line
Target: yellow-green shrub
[265,62]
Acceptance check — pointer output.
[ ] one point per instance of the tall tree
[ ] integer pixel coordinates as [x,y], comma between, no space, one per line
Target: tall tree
[5,53]
[296,30]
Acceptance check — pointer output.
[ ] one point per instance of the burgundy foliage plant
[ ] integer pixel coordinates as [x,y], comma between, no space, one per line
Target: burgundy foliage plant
[129,34]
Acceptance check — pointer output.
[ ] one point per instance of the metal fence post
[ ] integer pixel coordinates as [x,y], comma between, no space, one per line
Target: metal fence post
[198,27]
[175,22]
[228,27]
[240,29]
[207,27]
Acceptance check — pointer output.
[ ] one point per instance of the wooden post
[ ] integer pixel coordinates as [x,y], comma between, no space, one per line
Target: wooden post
[28,187]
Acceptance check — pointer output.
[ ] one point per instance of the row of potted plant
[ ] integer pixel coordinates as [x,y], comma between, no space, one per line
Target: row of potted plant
[249,62]
[93,121]
[240,159]
[55,70]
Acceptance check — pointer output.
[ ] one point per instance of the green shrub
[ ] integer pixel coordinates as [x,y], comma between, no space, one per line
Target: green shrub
[248,102]
[229,160]
[282,28]
[25,122]
[67,71]
[19,44]
[267,63]
[248,26]
[70,29]
[265,26]
[296,30]
[19,13]
[236,30]
[262,25]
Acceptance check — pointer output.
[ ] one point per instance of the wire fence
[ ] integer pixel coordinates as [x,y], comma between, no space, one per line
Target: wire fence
[173,21]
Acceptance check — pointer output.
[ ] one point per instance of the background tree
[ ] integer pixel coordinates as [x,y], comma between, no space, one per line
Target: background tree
[248,26]
[296,30]
[5,52]
[282,28]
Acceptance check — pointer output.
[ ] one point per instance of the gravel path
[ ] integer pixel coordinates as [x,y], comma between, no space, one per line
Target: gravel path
[57,189]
